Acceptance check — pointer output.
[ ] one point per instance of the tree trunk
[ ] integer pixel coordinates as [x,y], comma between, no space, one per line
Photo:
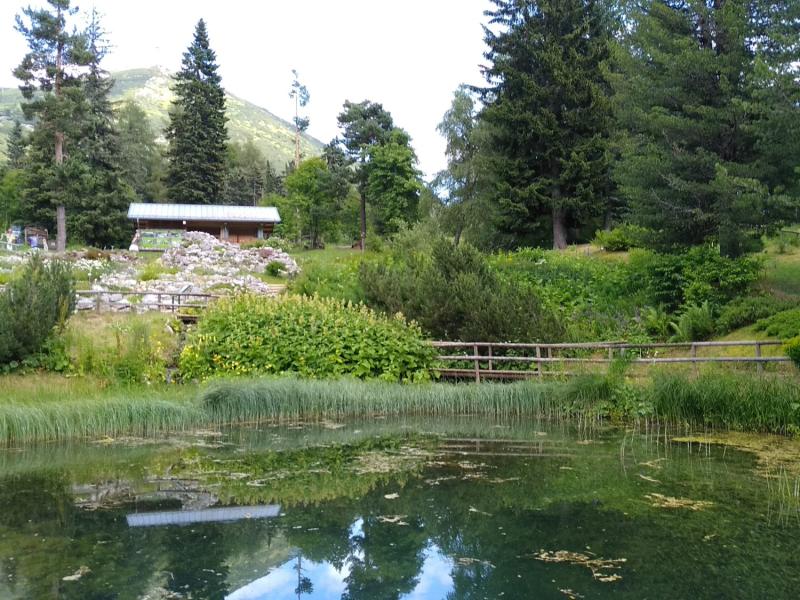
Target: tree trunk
[559,229]
[61,211]
[363,222]
[457,236]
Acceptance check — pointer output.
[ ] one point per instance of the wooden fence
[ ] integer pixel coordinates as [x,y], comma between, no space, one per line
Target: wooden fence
[480,360]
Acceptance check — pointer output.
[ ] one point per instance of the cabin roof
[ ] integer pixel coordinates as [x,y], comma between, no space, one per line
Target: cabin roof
[203,212]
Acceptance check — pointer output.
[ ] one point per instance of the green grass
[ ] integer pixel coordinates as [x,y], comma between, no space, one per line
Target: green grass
[325,257]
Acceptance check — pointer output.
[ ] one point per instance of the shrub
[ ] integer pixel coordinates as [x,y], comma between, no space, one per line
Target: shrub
[792,349]
[621,238]
[693,277]
[38,299]
[271,242]
[695,323]
[656,322]
[783,325]
[154,270]
[451,291]
[313,337]
[274,268]
[748,310]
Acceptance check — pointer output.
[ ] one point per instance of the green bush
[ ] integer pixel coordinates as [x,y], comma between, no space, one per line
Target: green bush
[622,238]
[783,325]
[33,303]
[693,277]
[313,337]
[274,268]
[748,310]
[452,292]
[695,323]
[792,349]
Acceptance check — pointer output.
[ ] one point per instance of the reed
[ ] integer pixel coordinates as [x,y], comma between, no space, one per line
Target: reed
[131,415]
[730,400]
[283,399]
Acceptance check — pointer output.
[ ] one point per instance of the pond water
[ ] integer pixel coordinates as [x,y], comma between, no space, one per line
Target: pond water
[399,509]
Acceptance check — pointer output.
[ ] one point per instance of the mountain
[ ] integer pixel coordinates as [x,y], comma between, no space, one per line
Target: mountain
[150,89]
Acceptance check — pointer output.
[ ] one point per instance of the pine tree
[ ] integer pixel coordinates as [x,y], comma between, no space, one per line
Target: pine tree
[51,69]
[15,146]
[708,93]
[196,133]
[364,125]
[99,217]
[548,112]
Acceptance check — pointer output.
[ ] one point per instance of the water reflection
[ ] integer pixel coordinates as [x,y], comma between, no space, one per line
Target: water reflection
[396,516]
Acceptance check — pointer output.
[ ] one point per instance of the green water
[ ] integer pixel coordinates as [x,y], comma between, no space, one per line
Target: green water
[397,509]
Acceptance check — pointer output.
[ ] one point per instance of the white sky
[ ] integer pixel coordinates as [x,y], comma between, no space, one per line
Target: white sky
[408,55]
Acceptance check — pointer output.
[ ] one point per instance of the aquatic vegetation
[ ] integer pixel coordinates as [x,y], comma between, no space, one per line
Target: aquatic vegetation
[773,453]
[288,399]
[603,569]
[662,501]
[138,414]
[728,400]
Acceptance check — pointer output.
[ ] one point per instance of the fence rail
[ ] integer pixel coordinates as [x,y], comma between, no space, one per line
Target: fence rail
[480,358]
[174,302]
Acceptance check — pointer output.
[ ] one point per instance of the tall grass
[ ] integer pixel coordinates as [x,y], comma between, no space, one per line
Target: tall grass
[729,400]
[53,421]
[289,399]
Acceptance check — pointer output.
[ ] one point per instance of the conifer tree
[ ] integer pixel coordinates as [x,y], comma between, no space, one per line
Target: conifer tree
[142,162]
[99,217]
[15,146]
[708,93]
[51,67]
[548,112]
[196,133]
[364,125]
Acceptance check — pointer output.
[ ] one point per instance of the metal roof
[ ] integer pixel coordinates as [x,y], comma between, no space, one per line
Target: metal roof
[203,212]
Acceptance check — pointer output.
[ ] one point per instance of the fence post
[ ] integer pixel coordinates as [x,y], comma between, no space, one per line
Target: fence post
[693,353]
[760,365]
[98,298]
[539,361]
[477,364]
[490,356]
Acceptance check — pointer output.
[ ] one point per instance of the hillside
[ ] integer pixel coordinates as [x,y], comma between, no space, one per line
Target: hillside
[150,88]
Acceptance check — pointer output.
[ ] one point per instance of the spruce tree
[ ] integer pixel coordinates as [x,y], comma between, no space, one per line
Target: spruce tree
[548,115]
[99,217]
[707,91]
[15,146]
[51,86]
[196,133]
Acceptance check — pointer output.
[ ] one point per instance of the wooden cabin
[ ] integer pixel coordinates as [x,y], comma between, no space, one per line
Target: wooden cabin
[230,223]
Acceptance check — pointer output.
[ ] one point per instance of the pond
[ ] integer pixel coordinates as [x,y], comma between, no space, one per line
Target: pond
[460,508]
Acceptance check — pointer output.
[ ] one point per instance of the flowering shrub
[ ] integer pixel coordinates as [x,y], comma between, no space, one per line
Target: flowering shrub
[313,337]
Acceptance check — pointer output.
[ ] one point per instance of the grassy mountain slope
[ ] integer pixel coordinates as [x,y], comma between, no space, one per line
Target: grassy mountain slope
[150,88]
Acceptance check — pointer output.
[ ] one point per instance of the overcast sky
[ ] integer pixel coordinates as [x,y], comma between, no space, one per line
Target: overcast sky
[408,55]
